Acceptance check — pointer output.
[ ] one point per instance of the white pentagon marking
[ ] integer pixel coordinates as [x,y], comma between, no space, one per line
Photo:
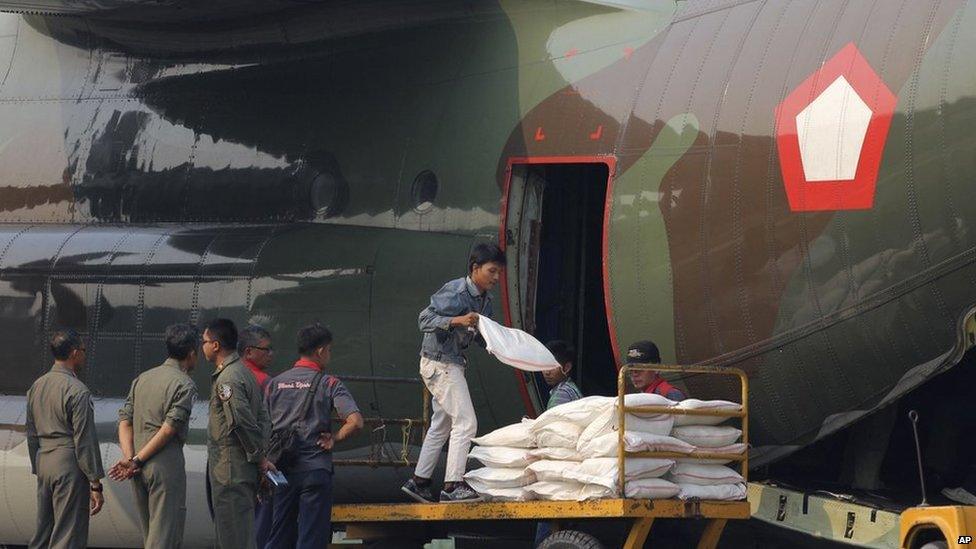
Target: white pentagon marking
[831,131]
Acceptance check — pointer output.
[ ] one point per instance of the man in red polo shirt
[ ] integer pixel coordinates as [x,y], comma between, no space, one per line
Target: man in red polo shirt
[254,346]
[648,381]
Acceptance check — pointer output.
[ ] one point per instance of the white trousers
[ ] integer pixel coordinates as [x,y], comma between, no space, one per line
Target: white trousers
[452,418]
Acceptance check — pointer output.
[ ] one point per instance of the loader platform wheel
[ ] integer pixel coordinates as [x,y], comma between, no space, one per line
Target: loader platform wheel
[571,539]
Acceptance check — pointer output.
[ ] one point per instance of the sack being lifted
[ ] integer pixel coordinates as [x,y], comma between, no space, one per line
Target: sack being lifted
[515,347]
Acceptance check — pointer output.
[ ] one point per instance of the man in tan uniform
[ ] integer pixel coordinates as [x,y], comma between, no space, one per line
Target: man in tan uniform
[63,448]
[154,419]
[237,438]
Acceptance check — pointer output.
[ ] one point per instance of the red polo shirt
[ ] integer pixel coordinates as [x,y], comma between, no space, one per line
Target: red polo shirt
[259,374]
[305,363]
[665,389]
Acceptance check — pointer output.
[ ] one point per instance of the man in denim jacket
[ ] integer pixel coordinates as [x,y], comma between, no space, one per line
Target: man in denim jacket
[449,326]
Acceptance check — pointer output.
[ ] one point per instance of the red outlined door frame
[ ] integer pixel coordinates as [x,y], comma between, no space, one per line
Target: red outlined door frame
[611,163]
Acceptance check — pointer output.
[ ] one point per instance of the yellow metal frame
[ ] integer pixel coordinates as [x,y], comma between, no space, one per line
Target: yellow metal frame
[540,510]
[953,521]
[370,517]
[623,410]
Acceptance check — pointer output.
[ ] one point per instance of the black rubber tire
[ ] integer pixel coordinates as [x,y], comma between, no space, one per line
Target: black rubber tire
[571,539]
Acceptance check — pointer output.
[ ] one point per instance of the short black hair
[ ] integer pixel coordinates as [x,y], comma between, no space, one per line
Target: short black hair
[562,350]
[251,337]
[224,331]
[181,340]
[484,252]
[63,342]
[312,337]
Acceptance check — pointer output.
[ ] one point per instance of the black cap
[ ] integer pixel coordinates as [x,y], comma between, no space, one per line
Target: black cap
[643,352]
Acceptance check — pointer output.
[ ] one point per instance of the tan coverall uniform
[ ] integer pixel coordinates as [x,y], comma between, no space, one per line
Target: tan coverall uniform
[64,455]
[237,438]
[162,394]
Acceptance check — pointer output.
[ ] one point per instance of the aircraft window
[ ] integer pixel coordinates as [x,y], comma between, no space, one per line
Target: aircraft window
[328,195]
[424,191]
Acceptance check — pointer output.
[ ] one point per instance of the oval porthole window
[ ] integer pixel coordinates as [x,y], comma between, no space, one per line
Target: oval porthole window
[424,191]
[327,195]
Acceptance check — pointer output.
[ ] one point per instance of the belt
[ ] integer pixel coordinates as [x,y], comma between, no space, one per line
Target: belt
[439,357]
[54,444]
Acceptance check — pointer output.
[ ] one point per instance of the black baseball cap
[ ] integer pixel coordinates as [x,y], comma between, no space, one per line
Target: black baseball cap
[643,352]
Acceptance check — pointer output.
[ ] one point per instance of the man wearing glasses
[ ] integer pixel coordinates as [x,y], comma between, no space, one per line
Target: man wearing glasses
[63,448]
[254,345]
[237,438]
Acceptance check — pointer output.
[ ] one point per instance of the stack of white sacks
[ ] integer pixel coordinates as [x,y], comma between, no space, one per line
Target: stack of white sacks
[570,453]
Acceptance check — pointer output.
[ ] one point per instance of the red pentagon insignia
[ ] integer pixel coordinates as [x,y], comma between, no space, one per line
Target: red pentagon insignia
[830,134]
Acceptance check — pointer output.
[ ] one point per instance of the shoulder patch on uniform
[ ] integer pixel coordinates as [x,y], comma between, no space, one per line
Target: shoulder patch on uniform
[224,391]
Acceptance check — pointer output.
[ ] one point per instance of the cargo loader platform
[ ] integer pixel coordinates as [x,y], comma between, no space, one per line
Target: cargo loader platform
[642,511]
[392,520]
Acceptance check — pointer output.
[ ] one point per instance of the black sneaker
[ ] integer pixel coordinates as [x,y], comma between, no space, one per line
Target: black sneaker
[420,493]
[462,493]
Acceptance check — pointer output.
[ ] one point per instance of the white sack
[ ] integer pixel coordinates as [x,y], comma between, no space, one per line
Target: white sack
[549,470]
[604,471]
[738,448]
[706,436]
[556,454]
[501,456]
[500,477]
[567,491]
[515,347]
[651,488]
[607,422]
[695,404]
[704,475]
[634,441]
[647,399]
[581,412]
[516,435]
[718,492]
[558,434]
[490,493]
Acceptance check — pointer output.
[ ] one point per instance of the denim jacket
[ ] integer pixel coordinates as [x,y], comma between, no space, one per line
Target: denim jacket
[442,342]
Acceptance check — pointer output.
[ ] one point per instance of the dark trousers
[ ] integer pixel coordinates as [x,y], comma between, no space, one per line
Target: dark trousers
[542,531]
[209,491]
[303,511]
[263,514]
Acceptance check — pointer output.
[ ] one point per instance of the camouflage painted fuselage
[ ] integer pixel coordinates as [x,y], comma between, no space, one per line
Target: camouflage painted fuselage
[263,169]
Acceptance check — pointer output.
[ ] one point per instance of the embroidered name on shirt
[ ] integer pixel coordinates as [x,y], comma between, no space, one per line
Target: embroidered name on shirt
[294,385]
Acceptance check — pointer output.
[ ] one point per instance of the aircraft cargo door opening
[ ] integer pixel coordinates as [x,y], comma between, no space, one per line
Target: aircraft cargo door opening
[554,246]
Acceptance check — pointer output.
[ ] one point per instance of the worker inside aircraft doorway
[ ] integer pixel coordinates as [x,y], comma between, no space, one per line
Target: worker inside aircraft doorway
[647,381]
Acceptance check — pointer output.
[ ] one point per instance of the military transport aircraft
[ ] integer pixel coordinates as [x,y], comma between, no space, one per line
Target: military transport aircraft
[781,186]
